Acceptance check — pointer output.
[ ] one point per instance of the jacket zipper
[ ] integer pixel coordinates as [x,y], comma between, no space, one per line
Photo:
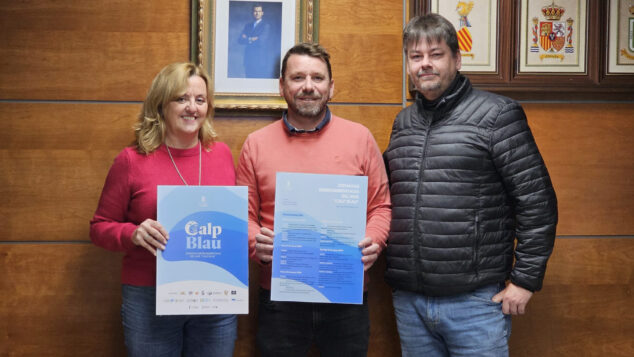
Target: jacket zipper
[475,244]
[416,242]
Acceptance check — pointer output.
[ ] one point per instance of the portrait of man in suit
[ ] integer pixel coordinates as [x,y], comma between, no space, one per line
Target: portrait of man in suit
[260,39]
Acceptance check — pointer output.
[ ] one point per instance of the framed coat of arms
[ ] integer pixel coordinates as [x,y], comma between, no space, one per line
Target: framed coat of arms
[553,36]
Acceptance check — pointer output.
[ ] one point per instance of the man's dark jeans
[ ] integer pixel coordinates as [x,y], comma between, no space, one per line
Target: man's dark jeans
[290,328]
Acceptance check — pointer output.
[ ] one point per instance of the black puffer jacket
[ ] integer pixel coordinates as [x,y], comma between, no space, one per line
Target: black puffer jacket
[466,180]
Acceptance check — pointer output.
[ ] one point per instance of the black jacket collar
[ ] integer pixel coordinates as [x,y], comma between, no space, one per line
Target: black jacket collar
[458,88]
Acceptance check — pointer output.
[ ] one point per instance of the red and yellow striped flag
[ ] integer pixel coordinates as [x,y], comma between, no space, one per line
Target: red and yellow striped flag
[464,40]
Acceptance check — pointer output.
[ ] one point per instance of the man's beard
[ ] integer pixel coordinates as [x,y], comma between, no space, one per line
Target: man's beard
[426,86]
[312,109]
[429,85]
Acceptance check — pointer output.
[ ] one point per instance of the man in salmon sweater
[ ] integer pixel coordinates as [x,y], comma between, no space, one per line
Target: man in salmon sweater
[310,139]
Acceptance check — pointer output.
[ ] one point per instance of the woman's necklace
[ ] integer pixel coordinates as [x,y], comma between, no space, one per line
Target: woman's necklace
[199,163]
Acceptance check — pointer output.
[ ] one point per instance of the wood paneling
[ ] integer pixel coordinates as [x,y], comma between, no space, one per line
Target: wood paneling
[378,119]
[63,126]
[77,50]
[54,159]
[589,153]
[234,130]
[591,261]
[60,300]
[576,320]
[364,41]
[584,308]
[50,195]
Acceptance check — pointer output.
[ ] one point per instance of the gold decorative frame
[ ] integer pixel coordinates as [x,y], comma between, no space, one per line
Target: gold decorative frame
[211,28]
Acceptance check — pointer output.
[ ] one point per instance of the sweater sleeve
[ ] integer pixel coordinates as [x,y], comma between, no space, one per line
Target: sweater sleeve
[379,205]
[245,176]
[526,180]
[108,227]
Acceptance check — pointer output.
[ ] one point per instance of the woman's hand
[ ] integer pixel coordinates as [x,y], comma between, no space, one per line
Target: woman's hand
[150,235]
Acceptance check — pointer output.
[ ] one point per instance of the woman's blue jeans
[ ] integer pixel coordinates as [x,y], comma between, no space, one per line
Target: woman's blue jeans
[176,335]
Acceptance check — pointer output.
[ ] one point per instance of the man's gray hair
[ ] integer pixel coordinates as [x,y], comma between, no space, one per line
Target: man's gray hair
[433,28]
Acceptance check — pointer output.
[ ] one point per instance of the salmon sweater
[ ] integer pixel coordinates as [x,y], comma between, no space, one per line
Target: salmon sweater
[341,147]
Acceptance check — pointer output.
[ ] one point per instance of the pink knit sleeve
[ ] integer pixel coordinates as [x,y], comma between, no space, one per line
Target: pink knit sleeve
[379,204]
[108,228]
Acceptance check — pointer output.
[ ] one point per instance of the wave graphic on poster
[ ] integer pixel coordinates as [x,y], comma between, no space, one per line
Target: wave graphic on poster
[198,271]
[197,238]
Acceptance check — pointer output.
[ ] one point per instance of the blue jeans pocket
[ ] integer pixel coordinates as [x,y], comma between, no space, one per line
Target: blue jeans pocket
[486,293]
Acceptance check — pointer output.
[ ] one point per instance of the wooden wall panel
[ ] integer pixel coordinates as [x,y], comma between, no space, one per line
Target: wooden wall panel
[60,300]
[576,320]
[591,261]
[364,41]
[589,153]
[77,50]
[584,308]
[378,119]
[54,159]
[67,126]
[50,195]
[234,130]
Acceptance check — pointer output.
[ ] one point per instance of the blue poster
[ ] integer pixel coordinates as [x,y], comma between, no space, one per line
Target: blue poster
[319,221]
[204,267]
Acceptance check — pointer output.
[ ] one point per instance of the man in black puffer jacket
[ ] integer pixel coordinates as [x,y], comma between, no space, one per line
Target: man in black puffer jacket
[472,206]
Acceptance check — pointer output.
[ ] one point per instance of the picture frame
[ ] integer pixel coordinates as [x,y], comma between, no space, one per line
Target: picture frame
[240,43]
[554,80]
[501,27]
[476,25]
[591,80]
[552,37]
[620,37]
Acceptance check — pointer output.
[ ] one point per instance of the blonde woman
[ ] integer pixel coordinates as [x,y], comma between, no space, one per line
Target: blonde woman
[174,146]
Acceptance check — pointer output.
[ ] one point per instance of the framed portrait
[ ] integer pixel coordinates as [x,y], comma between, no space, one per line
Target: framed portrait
[553,36]
[241,44]
[476,25]
[621,36]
